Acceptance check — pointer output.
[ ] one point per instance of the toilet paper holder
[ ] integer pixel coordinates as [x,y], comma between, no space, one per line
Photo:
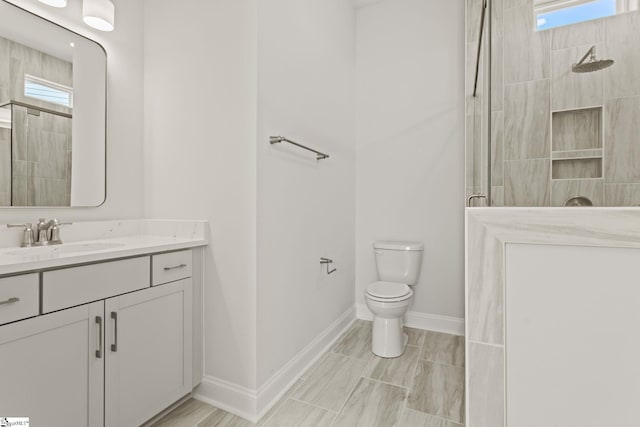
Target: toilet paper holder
[327,261]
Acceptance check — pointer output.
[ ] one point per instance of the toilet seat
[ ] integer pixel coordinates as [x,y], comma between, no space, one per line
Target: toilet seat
[388,291]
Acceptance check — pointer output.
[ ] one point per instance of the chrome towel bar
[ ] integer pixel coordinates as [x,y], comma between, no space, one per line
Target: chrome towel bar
[279,139]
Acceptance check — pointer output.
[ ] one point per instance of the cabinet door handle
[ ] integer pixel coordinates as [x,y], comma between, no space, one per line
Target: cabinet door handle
[175,267]
[99,350]
[114,346]
[10,301]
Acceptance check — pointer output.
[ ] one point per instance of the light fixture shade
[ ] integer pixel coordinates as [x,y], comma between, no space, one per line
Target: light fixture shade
[55,3]
[99,14]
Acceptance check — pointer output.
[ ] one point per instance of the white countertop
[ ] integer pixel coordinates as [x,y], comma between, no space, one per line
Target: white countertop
[100,241]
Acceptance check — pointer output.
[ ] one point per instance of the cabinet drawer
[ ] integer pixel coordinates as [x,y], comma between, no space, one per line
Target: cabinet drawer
[79,285]
[171,266]
[19,297]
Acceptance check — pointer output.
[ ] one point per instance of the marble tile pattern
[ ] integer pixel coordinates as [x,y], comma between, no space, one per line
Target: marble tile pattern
[487,232]
[526,51]
[486,385]
[577,129]
[299,414]
[577,154]
[443,390]
[622,37]
[5,52]
[5,167]
[420,419]
[622,150]
[526,182]
[372,404]
[444,348]
[44,141]
[497,55]
[576,168]
[332,381]
[497,148]
[497,196]
[395,371]
[593,189]
[341,390]
[622,194]
[574,90]
[583,33]
[526,121]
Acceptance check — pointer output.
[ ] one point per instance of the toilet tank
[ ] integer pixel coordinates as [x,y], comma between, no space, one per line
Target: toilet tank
[398,261]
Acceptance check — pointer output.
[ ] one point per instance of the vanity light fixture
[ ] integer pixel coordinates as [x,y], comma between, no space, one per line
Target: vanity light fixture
[55,3]
[99,14]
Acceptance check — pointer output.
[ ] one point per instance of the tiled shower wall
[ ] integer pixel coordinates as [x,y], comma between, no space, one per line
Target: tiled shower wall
[555,134]
[36,159]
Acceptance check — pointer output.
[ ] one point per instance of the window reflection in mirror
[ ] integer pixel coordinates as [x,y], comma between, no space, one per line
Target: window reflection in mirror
[557,13]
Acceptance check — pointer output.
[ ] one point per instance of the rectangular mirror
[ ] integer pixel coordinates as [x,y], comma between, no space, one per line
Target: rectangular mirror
[52,114]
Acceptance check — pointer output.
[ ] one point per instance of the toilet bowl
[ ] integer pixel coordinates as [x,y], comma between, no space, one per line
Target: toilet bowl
[388,308]
[398,265]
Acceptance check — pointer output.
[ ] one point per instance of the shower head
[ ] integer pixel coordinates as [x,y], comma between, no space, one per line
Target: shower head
[593,64]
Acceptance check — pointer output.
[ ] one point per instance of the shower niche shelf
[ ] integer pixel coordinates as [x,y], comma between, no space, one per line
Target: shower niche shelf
[576,139]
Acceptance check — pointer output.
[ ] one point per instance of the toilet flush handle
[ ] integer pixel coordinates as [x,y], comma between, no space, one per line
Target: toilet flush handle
[327,261]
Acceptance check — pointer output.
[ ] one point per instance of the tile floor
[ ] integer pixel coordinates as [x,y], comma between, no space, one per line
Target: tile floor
[350,387]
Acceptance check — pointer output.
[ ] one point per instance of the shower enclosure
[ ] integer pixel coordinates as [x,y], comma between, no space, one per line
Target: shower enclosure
[552,103]
[35,156]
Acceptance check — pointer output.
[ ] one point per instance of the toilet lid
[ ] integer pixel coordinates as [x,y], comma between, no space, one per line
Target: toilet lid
[388,289]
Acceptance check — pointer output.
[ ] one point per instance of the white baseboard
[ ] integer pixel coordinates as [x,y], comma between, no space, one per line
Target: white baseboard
[428,322]
[276,386]
[230,397]
[253,404]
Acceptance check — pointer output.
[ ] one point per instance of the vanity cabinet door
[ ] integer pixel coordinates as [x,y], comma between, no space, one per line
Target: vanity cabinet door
[51,370]
[149,346]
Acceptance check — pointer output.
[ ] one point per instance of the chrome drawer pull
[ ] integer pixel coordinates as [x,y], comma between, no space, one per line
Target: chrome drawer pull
[10,301]
[175,267]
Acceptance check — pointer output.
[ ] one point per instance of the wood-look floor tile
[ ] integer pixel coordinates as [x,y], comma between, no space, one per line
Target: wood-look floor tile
[372,404]
[186,415]
[356,343]
[411,418]
[362,323]
[398,371]
[280,402]
[331,383]
[294,413]
[416,336]
[313,367]
[438,390]
[444,348]
[220,418]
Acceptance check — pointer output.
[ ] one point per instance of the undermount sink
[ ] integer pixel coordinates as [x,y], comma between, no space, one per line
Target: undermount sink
[65,248]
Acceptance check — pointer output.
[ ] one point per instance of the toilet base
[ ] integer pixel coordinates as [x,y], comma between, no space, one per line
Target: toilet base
[388,339]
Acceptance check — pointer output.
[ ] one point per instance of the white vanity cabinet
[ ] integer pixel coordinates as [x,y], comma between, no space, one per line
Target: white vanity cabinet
[108,349]
[49,371]
[148,352]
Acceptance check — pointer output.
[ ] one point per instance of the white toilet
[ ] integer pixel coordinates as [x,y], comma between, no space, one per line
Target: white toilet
[398,265]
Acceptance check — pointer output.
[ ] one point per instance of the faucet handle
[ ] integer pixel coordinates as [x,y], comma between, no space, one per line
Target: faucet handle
[55,232]
[27,234]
